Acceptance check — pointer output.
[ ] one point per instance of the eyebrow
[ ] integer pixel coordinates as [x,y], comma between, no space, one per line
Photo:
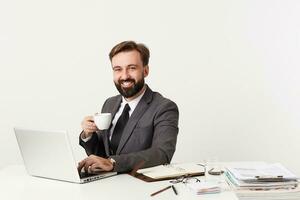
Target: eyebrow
[125,66]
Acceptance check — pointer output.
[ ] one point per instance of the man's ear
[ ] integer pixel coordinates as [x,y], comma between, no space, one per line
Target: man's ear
[146,70]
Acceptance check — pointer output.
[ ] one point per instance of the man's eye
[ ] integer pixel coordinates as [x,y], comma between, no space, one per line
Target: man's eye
[132,67]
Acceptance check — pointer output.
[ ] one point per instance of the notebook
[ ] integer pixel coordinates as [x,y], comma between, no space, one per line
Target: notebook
[48,154]
[170,171]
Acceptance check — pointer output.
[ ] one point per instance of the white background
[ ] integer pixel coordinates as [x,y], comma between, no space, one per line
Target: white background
[231,66]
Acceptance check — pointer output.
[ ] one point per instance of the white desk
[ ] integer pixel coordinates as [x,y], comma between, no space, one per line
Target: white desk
[15,183]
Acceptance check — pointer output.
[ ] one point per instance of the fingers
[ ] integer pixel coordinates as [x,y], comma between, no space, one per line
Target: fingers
[104,164]
[86,167]
[95,164]
[80,165]
[95,168]
[84,164]
[88,125]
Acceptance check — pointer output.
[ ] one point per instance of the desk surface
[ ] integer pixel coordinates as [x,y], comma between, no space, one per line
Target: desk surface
[15,183]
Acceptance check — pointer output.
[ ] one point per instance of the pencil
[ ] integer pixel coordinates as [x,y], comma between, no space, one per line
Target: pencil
[174,189]
[159,191]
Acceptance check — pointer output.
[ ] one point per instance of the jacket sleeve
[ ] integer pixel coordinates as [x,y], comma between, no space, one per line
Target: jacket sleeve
[94,146]
[163,142]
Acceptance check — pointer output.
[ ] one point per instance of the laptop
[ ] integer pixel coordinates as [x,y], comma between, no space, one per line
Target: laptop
[48,154]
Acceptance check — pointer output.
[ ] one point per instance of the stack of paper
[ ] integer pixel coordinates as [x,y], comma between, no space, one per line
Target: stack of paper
[271,181]
[204,187]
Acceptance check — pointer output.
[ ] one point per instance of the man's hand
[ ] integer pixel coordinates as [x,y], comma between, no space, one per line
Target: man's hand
[88,126]
[95,164]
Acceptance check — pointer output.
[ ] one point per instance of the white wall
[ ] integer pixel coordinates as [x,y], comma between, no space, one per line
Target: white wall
[231,66]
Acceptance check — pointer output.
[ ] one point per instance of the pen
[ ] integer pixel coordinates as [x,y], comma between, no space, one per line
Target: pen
[159,191]
[174,189]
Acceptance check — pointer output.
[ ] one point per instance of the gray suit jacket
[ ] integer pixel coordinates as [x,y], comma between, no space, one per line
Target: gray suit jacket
[150,134]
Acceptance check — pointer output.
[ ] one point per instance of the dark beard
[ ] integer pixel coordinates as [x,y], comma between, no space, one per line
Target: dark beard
[130,92]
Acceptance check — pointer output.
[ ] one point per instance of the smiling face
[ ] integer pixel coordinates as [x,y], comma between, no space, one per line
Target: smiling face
[129,73]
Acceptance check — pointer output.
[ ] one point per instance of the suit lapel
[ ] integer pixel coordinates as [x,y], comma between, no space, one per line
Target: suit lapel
[134,118]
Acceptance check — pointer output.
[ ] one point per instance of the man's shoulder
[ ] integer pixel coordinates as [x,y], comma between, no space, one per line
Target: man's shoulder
[159,97]
[163,109]
[110,103]
[113,100]
[160,101]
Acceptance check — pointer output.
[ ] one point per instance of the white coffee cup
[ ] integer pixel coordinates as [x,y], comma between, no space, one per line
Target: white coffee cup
[102,120]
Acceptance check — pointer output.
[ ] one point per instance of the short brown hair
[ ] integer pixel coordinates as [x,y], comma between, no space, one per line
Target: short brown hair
[130,46]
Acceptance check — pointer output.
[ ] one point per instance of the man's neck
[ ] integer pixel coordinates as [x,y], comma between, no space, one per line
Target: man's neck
[137,94]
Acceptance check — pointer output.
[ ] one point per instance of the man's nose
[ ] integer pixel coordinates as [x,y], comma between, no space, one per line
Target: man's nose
[124,75]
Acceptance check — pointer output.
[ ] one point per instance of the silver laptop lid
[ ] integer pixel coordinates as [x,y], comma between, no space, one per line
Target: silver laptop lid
[47,154]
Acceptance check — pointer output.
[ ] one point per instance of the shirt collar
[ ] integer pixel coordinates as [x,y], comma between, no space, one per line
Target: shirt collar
[133,103]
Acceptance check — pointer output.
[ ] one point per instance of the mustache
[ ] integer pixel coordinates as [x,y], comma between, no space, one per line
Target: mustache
[126,80]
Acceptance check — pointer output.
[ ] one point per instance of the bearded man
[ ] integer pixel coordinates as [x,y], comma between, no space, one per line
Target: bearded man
[144,126]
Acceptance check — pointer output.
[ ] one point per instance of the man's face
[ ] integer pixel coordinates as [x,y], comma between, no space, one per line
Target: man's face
[129,73]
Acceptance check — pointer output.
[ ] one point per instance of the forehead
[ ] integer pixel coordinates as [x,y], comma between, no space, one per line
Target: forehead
[127,58]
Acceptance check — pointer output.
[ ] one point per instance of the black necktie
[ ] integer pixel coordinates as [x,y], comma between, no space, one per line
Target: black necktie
[120,125]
